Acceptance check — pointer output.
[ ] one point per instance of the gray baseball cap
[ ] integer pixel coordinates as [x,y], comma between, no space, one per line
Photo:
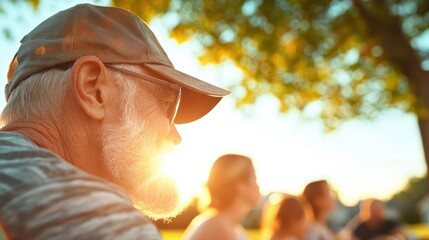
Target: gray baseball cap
[115,36]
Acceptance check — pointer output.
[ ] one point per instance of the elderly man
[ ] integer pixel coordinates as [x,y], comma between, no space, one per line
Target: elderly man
[92,103]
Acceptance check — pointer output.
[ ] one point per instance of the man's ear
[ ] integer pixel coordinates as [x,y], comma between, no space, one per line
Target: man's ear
[90,86]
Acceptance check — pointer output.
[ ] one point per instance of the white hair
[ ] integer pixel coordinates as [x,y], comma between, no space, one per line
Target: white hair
[41,96]
[128,88]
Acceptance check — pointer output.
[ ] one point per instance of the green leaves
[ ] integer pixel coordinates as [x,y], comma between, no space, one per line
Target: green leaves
[303,52]
[145,9]
[34,3]
[350,56]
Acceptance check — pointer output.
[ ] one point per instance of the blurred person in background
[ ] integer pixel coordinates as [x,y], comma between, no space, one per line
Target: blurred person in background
[233,193]
[374,223]
[319,203]
[284,219]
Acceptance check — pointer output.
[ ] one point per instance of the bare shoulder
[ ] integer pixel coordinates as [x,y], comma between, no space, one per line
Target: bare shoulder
[209,228]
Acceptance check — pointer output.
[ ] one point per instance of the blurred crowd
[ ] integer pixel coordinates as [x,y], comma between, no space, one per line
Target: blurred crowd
[233,190]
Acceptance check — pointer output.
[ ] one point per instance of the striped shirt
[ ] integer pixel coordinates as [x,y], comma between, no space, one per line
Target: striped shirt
[44,197]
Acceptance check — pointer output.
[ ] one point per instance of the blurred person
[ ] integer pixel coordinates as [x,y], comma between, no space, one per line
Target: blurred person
[92,103]
[374,224]
[319,203]
[233,193]
[347,231]
[284,219]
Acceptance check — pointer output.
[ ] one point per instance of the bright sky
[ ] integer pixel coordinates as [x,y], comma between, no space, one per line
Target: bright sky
[361,159]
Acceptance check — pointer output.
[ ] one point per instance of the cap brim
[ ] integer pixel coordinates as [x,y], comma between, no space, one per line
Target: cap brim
[198,97]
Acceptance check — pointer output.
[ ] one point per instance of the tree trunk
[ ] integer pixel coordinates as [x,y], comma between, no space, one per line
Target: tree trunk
[424,131]
[387,28]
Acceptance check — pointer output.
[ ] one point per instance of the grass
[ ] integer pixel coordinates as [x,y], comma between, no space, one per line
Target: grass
[419,231]
[176,234]
[172,234]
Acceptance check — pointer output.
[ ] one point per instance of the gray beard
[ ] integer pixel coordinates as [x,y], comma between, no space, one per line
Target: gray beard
[133,157]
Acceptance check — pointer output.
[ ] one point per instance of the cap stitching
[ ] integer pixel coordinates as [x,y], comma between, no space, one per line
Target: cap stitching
[74,32]
[139,23]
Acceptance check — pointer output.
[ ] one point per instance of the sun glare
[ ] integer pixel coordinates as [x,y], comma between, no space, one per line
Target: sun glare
[188,178]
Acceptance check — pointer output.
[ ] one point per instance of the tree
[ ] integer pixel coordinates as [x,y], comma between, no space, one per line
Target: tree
[341,59]
[406,200]
[348,59]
